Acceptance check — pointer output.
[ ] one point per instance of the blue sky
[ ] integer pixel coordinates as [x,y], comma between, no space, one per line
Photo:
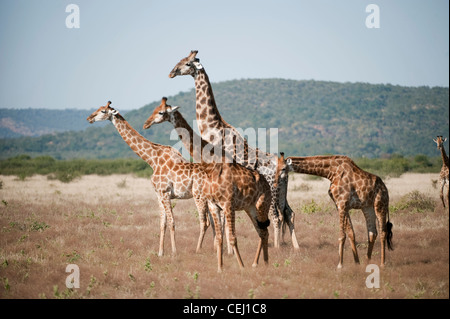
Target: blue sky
[124,50]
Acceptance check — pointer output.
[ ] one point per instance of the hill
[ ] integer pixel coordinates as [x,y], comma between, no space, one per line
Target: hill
[312,117]
[37,122]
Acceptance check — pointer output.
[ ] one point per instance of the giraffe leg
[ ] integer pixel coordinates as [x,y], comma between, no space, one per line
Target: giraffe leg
[260,221]
[351,235]
[276,231]
[162,233]
[382,211]
[171,222]
[225,226]
[342,234]
[218,239]
[369,215]
[277,217]
[166,214]
[213,228]
[203,217]
[290,215]
[230,219]
[441,194]
[263,245]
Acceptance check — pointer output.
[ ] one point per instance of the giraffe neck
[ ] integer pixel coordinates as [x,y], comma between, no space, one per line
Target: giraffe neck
[148,151]
[191,141]
[323,166]
[207,113]
[208,117]
[445,159]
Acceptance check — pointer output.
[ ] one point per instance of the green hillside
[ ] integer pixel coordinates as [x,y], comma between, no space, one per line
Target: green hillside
[37,122]
[312,117]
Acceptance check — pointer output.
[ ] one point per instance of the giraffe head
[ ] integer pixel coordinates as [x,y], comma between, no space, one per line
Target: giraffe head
[103,113]
[160,114]
[282,168]
[187,66]
[439,141]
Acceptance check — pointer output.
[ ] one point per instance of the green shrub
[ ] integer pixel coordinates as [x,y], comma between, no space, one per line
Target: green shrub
[65,171]
[310,208]
[414,202]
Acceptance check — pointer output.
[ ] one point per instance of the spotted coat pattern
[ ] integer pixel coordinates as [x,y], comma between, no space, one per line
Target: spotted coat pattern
[443,175]
[351,188]
[215,130]
[174,177]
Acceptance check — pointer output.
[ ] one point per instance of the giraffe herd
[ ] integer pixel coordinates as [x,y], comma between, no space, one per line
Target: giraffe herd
[228,175]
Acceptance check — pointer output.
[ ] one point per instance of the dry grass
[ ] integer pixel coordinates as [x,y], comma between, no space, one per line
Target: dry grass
[109,227]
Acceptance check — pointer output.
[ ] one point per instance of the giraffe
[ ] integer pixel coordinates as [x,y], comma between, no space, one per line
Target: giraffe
[214,129]
[165,112]
[218,186]
[191,141]
[172,174]
[231,187]
[443,175]
[350,188]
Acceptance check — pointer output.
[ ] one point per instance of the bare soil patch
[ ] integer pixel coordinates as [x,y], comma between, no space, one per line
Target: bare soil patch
[109,227]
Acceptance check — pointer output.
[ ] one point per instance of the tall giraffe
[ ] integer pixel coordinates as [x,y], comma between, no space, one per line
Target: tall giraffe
[215,130]
[219,186]
[350,188]
[443,175]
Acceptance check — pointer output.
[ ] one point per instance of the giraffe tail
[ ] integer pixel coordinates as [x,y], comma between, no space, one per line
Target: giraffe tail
[389,235]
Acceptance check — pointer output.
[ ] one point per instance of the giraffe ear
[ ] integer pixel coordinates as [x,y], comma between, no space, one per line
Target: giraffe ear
[192,54]
[172,109]
[289,161]
[445,139]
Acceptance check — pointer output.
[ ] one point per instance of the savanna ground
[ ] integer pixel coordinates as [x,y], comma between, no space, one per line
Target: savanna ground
[109,227]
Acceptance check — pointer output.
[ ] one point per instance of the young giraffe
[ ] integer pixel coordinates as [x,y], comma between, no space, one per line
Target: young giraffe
[215,130]
[443,175]
[350,188]
[219,186]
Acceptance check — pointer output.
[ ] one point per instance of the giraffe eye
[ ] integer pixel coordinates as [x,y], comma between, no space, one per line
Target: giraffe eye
[188,64]
[161,113]
[103,111]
